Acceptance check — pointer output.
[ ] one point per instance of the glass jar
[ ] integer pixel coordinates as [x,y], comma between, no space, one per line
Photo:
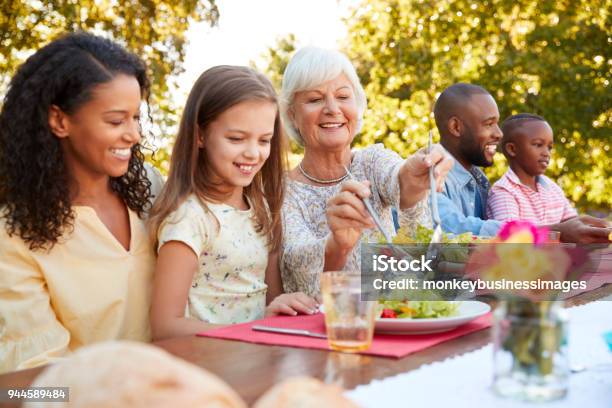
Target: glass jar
[530,350]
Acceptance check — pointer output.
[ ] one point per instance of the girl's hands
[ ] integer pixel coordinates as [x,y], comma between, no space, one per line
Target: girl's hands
[347,216]
[292,304]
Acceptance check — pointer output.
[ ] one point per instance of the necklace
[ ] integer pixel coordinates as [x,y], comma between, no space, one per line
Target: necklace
[316,180]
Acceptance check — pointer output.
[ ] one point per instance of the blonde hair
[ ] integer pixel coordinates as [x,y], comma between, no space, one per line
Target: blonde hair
[310,67]
[216,90]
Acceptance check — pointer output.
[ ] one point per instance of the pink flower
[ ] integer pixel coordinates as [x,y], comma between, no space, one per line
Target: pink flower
[524,232]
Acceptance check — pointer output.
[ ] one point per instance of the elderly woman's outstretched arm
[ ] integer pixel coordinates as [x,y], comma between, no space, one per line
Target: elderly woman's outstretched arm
[403,184]
[414,174]
[323,226]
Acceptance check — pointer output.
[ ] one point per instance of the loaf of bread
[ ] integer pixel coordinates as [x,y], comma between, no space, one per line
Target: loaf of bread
[304,392]
[128,374]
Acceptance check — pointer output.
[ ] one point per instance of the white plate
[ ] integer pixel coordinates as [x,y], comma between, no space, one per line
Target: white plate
[468,311]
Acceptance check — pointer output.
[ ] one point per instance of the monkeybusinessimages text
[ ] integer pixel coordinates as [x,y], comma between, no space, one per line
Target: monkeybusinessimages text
[384,263]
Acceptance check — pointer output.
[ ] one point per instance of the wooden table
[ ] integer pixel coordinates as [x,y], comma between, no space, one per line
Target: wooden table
[251,369]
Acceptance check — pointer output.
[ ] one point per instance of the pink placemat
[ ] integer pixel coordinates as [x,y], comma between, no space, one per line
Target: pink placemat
[382,345]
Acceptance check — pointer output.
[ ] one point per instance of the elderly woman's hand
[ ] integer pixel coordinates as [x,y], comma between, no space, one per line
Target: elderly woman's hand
[414,174]
[347,216]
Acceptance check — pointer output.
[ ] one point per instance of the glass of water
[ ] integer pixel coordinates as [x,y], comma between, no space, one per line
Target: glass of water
[349,320]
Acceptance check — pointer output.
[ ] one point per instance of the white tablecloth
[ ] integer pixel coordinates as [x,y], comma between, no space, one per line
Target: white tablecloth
[465,381]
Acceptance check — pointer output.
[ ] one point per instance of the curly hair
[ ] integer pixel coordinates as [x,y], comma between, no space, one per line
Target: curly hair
[34,182]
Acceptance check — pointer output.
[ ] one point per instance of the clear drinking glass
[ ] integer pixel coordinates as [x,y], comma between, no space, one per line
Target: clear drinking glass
[349,320]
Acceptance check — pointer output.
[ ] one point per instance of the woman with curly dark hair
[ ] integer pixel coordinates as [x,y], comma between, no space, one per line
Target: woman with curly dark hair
[75,261]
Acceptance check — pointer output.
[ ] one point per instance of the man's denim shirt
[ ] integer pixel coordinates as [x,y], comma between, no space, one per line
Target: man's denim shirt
[461,207]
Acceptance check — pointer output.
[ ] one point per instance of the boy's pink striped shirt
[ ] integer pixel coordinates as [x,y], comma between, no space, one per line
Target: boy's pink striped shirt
[509,199]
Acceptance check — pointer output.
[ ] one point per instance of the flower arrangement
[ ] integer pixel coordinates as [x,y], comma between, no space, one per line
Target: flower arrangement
[522,256]
[530,330]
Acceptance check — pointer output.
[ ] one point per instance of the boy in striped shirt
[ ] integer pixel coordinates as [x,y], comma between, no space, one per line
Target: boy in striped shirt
[524,193]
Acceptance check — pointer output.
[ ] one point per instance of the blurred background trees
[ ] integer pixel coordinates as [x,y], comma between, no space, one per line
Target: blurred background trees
[153,29]
[553,58]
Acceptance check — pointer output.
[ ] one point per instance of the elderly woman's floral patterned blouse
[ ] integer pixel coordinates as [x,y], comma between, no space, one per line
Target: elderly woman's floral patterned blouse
[305,224]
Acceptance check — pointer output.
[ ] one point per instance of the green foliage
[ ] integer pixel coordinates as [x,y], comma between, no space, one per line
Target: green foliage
[552,58]
[153,29]
[276,59]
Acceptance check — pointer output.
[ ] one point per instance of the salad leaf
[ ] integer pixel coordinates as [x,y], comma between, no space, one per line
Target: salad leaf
[422,235]
[416,243]
[417,309]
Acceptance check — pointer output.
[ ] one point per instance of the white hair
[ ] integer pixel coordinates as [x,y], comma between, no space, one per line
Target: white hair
[309,68]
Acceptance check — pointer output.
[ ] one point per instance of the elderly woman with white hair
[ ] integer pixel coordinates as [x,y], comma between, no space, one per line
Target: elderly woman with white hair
[324,218]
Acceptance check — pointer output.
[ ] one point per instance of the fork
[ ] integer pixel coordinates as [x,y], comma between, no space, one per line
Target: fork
[368,206]
[434,245]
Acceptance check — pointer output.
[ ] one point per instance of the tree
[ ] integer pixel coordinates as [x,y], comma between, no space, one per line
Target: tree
[275,60]
[153,29]
[548,57]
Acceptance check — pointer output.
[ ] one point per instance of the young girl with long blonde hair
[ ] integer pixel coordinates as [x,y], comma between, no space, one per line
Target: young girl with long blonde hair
[217,221]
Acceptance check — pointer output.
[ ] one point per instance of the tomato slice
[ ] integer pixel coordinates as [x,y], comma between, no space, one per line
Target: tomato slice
[388,314]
